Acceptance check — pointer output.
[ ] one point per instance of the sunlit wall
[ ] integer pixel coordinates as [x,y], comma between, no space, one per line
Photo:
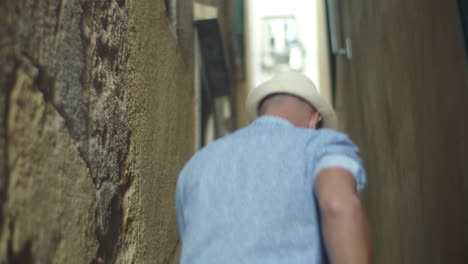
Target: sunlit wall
[287,35]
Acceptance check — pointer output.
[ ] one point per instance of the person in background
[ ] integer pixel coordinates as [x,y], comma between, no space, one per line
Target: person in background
[285,189]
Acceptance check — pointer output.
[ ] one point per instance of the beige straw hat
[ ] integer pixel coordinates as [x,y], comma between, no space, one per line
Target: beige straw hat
[296,84]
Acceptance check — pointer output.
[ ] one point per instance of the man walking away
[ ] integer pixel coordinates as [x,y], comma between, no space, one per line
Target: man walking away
[282,190]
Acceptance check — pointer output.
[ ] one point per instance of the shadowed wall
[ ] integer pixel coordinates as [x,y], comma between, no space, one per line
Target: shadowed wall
[403,99]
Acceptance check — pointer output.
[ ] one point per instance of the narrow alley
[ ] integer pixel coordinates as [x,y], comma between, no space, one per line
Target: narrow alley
[103,102]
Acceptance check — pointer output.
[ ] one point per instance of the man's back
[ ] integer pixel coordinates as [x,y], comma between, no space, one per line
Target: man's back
[249,197]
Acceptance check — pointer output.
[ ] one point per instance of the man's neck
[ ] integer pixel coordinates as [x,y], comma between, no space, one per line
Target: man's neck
[294,121]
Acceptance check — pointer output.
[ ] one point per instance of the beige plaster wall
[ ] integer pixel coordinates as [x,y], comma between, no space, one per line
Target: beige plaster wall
[403,99]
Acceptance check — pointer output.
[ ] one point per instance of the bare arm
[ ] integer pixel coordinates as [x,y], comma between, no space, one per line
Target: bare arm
[344,224]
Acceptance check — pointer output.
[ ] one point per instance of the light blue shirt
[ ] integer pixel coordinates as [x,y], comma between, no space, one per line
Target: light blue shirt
[249,197]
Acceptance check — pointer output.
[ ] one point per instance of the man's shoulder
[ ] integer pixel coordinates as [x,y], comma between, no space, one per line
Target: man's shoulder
[326,134]
[213,153]
[331,132]
[220,144]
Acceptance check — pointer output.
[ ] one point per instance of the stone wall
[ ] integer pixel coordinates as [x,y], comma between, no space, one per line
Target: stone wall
[96,120]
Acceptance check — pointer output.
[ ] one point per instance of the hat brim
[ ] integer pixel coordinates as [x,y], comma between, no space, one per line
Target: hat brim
[294,84]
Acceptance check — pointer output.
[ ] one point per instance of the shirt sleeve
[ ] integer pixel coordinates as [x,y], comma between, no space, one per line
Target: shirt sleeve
[336,150]
[179,208]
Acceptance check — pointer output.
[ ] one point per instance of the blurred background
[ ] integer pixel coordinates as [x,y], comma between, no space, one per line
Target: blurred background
[102,103]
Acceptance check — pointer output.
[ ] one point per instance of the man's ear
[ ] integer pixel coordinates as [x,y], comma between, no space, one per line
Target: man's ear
[314,120]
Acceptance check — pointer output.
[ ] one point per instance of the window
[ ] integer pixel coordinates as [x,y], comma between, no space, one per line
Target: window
[281,48]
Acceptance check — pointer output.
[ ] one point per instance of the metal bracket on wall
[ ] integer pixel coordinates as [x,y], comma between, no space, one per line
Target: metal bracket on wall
[347,51]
